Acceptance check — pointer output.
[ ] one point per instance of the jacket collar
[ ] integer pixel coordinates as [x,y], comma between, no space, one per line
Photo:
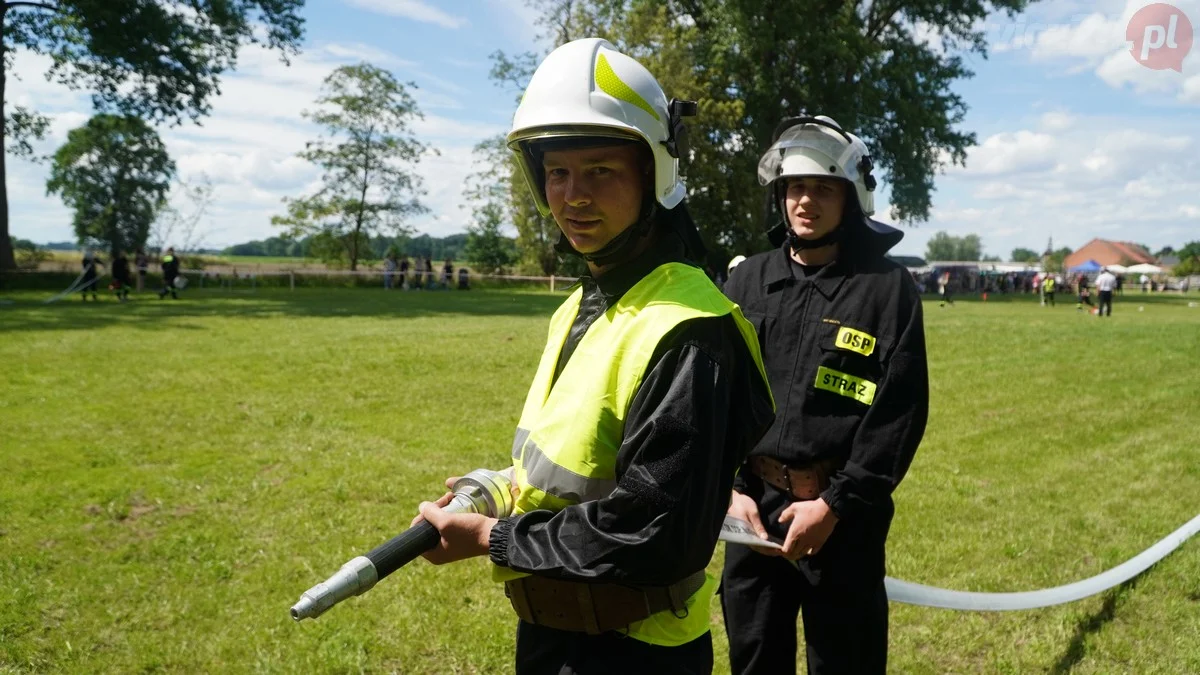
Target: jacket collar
[828,280]
[614,283]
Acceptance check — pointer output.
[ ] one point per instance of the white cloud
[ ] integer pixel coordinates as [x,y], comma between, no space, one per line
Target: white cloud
[1090,38]
[361,52]
[1056,121]
[1144,188]
[1010,152]
[411,9]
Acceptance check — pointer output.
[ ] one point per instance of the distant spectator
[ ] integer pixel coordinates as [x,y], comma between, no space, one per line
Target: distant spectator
[733,263]
[418,274]
[429,271]
[464,279]
[389,269]
[1081,283]
[404,273]
[142,262]
[946,288]
[120,274]
[1145,282]
[90,262]
[447,274]
[1106,283]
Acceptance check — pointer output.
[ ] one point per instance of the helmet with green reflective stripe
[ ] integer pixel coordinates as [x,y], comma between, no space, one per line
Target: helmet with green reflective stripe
[587,90]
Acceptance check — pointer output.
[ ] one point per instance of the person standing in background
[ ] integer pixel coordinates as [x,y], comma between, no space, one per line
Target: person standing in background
[120,274]
[1106,283]
[142,262]
[90,262]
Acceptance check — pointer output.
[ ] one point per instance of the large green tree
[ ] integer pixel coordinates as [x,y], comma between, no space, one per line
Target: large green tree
[945,247]
[488,194]
[114,173]
[1025,255]
[1189,259]
[160,60]
[367,158]
[871,65]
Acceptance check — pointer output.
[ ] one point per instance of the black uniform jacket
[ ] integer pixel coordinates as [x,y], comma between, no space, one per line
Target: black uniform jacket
[844,349]
[699,410]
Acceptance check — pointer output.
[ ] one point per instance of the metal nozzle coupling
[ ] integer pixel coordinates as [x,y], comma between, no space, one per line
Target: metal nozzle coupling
[484,491]
[354,578]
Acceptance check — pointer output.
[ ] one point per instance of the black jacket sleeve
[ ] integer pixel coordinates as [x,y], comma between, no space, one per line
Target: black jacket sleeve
[887,439]
[689,427]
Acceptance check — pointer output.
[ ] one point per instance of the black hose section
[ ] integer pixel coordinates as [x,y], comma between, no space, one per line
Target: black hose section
[403,548]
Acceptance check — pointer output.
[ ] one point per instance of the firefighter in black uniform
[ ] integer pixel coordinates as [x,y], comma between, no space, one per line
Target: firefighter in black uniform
[90,262]
[844,345]
[121,278]
[170,270]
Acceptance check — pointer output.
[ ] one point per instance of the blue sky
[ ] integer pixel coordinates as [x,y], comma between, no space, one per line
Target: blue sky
[1076,138]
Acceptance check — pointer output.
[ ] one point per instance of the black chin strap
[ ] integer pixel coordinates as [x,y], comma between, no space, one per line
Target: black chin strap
[622,246]
[798,244]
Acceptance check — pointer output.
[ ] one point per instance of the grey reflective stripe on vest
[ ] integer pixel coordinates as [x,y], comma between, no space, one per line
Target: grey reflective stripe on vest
[545,475]
[519,442]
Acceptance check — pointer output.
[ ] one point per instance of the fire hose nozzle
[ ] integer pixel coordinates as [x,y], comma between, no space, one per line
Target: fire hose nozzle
[481,491]
[354,578]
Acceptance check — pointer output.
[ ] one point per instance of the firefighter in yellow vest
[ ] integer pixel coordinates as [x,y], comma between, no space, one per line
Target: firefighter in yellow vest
[647,398]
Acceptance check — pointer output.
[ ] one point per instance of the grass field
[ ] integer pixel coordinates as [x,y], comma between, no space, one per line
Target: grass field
[174,474]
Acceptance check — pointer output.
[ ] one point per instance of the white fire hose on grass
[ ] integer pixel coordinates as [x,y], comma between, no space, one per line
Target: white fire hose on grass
[738,531]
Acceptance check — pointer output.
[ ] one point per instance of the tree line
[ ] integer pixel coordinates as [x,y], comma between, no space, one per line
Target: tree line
[453,247]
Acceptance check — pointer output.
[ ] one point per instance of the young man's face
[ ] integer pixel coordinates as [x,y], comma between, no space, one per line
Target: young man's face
[815,205]
[595,193]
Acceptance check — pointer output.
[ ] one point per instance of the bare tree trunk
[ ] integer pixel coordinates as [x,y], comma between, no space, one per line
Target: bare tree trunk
[7,261]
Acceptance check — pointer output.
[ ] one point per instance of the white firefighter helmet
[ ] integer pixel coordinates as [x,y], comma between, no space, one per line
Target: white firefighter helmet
[817,146]
[588,88]
[737,260]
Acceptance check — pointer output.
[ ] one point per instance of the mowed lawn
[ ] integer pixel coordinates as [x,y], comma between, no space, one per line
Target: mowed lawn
[174,474]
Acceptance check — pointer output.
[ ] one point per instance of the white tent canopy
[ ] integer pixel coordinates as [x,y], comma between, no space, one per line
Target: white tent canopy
[1119,269]
[1144,268]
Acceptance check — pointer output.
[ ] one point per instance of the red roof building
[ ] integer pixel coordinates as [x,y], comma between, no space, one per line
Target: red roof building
[1107,252]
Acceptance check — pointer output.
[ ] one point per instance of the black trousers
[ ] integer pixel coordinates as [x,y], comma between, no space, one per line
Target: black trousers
[1106,303]
[547,651]
[839,593]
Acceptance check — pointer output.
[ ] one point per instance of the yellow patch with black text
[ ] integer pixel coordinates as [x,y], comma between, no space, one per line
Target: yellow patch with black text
[849,386]
[855,341]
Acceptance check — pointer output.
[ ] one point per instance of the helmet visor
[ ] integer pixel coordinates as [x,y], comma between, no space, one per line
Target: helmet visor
[837,155]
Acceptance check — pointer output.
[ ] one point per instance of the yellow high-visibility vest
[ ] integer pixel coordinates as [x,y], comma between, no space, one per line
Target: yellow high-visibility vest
[565,449]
